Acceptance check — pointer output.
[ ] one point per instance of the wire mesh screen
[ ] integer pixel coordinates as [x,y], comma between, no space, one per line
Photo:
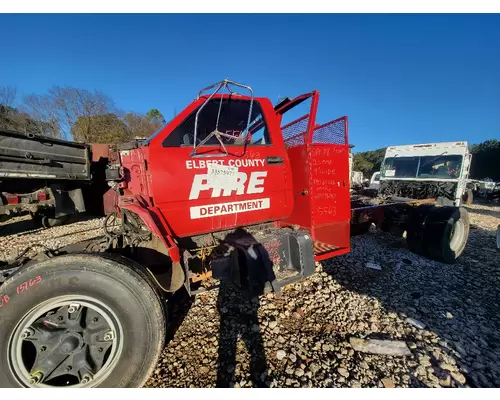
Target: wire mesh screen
[333,132]
[294,133]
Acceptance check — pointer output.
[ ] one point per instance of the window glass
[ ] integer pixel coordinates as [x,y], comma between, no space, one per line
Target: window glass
[400,167]
[233,120]
[442,167]
[439,167]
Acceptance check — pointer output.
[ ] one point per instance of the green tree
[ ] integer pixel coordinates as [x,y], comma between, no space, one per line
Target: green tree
[104,128]
[362,164]
[142,126]
[485,158]
[155,115]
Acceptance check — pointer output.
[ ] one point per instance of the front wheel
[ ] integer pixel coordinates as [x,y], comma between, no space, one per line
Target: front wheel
[79,321]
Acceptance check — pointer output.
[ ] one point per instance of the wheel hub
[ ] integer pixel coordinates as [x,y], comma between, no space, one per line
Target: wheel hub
[71,342]
[65,344]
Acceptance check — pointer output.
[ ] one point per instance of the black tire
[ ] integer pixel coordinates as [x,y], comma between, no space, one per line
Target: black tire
[115,282]
[446,233]
[416,228]
[48,221]
[360,229]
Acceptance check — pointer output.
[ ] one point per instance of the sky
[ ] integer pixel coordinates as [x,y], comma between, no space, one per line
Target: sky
[400,79]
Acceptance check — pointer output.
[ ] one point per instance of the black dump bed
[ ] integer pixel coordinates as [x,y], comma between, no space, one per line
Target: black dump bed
[40,157]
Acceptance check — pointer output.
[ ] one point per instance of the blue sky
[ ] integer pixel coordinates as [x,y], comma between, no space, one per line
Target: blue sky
[400,78]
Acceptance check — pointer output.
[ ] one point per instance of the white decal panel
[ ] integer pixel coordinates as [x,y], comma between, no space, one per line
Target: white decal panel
[222,175]
[227,184]
[234,207]
[225,178]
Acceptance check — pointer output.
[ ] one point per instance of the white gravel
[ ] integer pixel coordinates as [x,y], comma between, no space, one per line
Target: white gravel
[301,337]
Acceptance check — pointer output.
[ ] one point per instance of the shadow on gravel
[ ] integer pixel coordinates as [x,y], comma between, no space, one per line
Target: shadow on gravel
[239,319]
[238,309]
[178,307]
[238,306]
[459,303]
[18,227]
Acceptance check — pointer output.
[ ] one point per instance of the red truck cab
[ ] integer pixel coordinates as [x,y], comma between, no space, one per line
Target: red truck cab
[225,162]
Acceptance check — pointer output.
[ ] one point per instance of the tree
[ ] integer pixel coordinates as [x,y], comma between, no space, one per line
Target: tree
[45,117]
[62,107]
[361,164]
[18,120]
[369,161]
[104,128]
[8,95]
[141,127]
[155,115]
[485,158]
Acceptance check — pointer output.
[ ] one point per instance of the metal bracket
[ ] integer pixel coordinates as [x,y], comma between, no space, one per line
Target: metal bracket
[218,87]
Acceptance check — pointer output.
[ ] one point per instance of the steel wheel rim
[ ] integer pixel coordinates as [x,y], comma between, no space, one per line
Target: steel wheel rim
[16,359]
[457,235]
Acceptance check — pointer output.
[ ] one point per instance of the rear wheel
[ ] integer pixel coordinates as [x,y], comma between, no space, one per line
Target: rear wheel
[46,220]
[416,228]
[361,228]
[439,233]
[80,321]
[446,233]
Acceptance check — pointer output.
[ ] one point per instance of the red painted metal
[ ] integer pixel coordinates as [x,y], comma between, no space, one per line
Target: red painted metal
[170,189]
[110,201]
[174,176]
[331,254]
[100,151]
[320,171]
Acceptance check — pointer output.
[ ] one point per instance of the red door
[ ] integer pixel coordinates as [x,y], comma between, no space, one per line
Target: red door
[211,190]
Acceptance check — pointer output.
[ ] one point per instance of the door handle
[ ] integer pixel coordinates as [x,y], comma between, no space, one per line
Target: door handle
[274,160]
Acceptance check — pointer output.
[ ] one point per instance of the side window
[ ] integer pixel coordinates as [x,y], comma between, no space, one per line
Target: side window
[233,119]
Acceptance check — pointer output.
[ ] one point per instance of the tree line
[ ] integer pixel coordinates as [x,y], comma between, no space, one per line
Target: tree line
[77,114]
[484,163]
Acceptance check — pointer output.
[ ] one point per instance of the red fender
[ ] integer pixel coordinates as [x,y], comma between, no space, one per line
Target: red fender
[158,227]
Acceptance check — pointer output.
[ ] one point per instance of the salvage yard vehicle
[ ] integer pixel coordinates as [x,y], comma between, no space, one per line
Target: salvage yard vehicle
[439,170]
[375,181]
[426,175]
[51,179]
[225,191]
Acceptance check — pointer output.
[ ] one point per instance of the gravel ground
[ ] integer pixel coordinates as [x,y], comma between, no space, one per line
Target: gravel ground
[301,338]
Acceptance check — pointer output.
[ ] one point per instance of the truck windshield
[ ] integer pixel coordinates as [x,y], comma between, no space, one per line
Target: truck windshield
[400,167]
[442,167]
[438,167]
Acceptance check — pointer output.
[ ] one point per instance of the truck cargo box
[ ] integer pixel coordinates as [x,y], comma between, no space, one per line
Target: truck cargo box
[38,157]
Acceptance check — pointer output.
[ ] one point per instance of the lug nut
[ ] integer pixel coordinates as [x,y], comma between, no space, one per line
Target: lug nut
[109,336]
[85,379]
[36,378]
[27,333]
[73,308]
